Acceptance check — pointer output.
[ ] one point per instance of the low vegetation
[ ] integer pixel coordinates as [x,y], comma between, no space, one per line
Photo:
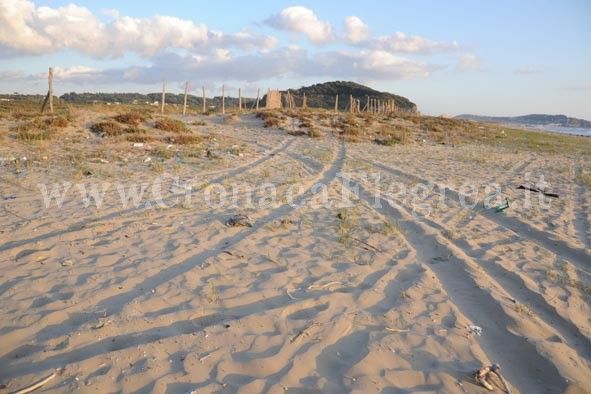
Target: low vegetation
[172,125]
[130,118]
[107,128]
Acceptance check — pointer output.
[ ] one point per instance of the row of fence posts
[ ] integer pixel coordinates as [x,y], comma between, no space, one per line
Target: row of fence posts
[372,105]
[204,99]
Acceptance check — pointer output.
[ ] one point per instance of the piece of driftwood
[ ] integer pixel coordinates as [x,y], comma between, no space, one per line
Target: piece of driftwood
[35,385]
[482,377]
[304,330]
[371,247]
[533,189]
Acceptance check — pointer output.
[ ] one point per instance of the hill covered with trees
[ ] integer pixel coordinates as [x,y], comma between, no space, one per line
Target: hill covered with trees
[323,95]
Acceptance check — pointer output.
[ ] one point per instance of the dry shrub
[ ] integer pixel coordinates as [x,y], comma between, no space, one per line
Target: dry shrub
[314,133]
[271,119]
[110,129]
[42,124]
[185,139]
[34,135]
[139,138]
[130,118]
[351,130]
[173,125]
[297,133]
[134,130]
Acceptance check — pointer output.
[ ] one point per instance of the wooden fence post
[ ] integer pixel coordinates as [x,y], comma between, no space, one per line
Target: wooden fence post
[239,100]
[50,81]
[204,101]
[163,97]
[185,102]
[223,99]
[258,97]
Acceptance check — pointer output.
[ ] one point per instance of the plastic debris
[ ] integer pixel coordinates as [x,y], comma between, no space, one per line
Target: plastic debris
[239,221]
[483,375]
[474,330]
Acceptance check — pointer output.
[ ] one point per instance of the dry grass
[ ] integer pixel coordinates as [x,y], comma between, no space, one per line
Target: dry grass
[185,139]
[110,129]
[130,118]
[34,135]
[172,125]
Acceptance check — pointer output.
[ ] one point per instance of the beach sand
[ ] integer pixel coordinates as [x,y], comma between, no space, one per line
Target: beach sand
[373,297]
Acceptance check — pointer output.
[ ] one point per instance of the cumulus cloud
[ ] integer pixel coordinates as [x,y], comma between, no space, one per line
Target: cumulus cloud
[355,29]
[400,42]
[301,20]
[527,70]
[251,68]
[469,62]
[27,29]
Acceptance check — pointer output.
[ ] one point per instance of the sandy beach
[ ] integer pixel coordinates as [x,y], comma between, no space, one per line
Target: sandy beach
[359,268]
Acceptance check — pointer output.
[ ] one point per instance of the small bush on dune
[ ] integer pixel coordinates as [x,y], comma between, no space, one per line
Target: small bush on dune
[58,121]
[172,125]
[134,130]
[139,138]
[110,129]
[131,118]
[185,139]
[34,135]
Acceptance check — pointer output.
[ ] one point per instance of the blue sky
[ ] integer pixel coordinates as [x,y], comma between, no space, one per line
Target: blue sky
[483,57]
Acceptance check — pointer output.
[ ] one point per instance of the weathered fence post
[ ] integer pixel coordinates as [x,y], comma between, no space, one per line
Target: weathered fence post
[258,97]
[336,104]
[185,101]
[50,81]
[163,97]
[49,97]
[204,101]
[223,99]
[239,100]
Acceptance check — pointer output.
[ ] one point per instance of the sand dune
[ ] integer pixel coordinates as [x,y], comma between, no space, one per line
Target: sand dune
[314,297]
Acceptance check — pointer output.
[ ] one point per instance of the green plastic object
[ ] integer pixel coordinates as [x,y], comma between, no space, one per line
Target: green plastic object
[502,207]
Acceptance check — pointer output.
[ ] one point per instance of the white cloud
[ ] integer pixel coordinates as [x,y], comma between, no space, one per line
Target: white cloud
[355,29]
[469,62]
[527,70]
[400,42]
[26,29]
[304,21]
[283,62]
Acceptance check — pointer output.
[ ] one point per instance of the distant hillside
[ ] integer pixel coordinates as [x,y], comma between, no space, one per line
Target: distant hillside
[534,120]
[323,95]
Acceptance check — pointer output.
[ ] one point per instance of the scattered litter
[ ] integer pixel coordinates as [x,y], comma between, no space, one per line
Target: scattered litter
[35,385]
[101,323]
[67,263]
[396,329]
[500,208]
[147,160]
[9,197]
[240,256]
[474,330]
[239,221]
[138,145]
[324,286]
[533,189]
[483,374]
[292,297]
